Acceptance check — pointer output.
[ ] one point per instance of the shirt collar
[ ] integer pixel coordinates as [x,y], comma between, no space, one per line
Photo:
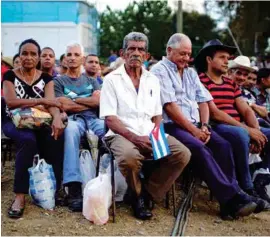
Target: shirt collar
[122,71]
[169,63]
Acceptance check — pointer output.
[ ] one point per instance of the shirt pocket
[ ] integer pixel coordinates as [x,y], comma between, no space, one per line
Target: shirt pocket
[149,102]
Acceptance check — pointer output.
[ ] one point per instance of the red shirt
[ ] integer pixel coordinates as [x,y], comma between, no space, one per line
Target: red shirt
[224,94]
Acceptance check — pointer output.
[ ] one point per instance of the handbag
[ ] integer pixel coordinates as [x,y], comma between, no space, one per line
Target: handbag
[32,118]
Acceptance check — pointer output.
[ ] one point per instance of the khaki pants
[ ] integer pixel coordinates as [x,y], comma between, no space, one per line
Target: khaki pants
[166,170]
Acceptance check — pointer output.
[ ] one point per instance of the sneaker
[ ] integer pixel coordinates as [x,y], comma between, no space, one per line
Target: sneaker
[260,183]
[261,204]
[74,197]
[240,205]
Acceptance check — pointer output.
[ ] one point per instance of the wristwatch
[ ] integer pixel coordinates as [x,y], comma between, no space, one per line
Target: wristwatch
[204,125]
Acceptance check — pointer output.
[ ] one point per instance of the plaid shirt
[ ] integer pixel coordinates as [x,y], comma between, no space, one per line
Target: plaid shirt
[263,100]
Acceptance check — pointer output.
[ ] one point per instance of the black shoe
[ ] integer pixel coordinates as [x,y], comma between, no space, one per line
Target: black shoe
[74,198]
[15,213]
[240,205]
[60,198]
[260,182]
[261,204]
[140,211]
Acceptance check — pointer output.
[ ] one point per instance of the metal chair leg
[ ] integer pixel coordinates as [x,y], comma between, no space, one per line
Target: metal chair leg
[167,200]
[113,188]
[98,163]
[174,199]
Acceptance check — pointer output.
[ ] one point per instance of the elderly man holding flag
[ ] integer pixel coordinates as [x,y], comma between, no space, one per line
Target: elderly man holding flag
[130,104]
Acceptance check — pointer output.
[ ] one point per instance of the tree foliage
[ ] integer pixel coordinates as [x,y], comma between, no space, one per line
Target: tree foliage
[157,21]
[247,19]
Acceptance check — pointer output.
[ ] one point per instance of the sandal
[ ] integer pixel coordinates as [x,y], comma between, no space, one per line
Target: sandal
[15,213]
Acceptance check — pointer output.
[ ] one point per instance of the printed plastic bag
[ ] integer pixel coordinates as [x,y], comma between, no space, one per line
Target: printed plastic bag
[42,184]
[120,181]
[87,167]
[97,196]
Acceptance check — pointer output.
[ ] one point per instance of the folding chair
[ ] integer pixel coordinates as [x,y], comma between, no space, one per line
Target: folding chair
[106,149]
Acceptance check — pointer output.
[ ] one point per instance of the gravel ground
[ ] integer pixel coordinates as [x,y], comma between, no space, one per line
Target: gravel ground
[202,220]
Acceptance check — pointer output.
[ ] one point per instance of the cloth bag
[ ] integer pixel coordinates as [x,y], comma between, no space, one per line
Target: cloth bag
[97,196]
[32,118]
[42,184]
[87,167]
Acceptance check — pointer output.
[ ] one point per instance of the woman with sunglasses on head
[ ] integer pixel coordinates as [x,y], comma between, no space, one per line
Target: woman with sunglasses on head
[24,87]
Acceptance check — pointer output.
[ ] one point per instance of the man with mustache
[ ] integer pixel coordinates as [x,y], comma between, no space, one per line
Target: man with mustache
[130,104]
[233,119]
[186,115]
[78,94]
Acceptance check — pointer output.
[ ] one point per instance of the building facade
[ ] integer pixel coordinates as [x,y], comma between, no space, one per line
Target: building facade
[51,23]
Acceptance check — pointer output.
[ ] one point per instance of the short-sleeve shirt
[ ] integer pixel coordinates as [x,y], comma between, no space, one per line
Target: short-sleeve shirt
[25,91]
[73,88]
[134,108]
[262,99]
[186,90]
[224,94]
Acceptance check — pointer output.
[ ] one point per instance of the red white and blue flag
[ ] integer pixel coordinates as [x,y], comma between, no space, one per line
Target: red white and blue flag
[159,142]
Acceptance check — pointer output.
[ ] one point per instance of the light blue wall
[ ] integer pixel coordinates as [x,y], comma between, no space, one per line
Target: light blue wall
[48,11]
[13,11]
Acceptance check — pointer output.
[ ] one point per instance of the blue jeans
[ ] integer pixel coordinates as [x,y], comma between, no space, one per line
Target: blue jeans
[239,139]
[73,133]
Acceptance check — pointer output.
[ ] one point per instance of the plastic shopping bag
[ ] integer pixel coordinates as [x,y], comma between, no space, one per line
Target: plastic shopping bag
[254,158]
[87,167]
[120,181]
[97,199]
[42,184]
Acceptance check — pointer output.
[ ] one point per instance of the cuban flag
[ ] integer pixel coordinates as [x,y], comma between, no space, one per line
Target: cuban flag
[159,142]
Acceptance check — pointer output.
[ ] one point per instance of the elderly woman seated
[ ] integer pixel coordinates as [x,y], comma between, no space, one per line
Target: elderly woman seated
[27,87]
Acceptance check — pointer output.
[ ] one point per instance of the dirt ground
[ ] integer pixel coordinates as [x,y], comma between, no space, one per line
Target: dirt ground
[202,219]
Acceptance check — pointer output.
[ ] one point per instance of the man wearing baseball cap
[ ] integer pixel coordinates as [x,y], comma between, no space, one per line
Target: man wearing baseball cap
[228,111]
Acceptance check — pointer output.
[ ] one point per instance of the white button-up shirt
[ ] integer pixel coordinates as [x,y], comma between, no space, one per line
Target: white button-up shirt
[120,98]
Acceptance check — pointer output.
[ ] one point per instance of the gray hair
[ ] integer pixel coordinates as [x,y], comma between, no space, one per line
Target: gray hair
[176,39]
[135,36]
[74,44]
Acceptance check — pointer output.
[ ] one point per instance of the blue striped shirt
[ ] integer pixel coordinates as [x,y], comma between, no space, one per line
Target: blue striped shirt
[187,92]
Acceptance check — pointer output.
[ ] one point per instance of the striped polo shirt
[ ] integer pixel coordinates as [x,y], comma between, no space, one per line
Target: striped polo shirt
[224,94]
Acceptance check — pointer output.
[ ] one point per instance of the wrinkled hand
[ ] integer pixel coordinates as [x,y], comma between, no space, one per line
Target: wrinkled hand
[207,132]
[143,143]
[51,103]
[201,135]
[57,127]
[254,149]
[258,137]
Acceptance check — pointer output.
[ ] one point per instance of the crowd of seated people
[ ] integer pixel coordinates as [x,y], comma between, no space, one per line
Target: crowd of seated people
[215,116]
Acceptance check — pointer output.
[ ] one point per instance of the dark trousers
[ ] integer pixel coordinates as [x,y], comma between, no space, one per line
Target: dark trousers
[29,143]
[213,162]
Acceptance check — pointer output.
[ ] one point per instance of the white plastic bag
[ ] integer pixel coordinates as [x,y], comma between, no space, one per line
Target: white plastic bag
[120,181]
[254,158]
[97,196]
[87,167]
[42,184]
